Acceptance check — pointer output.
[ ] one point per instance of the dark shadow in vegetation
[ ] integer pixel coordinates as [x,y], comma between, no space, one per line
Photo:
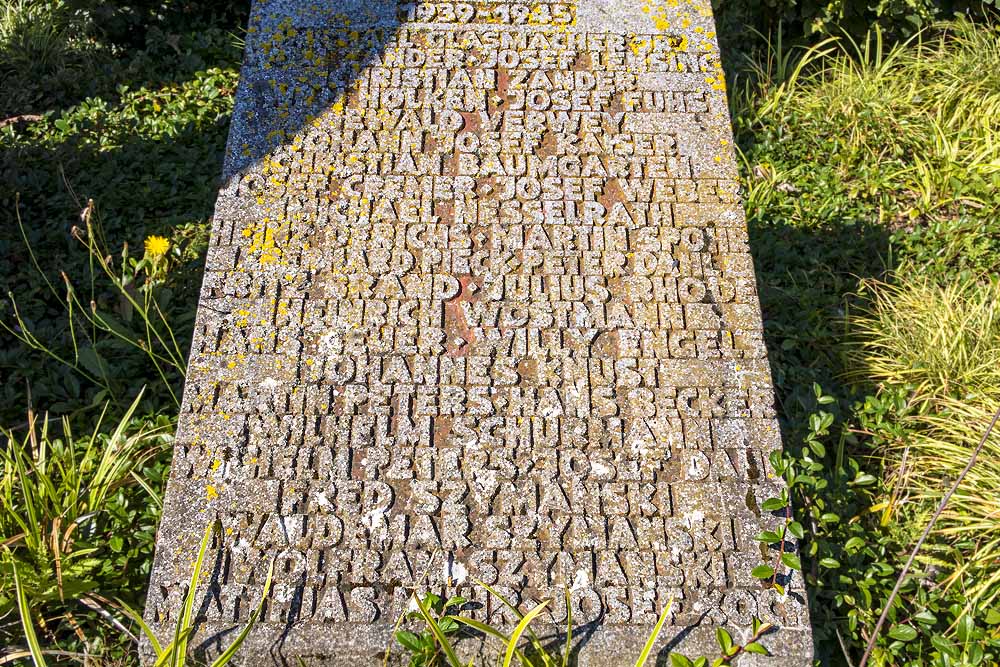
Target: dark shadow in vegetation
[806,278]
[141,187]
[53,57]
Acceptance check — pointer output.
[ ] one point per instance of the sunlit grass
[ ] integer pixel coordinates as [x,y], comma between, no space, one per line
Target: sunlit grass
[34,36]
[942,342]
[916,124]
[57,491]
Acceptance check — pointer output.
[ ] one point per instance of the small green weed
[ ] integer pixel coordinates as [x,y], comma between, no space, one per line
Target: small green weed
[75,518]
[175,653]
[445,625]
[729,650]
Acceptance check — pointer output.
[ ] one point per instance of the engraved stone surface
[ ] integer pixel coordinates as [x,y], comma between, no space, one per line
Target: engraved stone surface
[479,305]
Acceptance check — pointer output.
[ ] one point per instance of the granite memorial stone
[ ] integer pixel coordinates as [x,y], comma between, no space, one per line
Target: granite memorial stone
[479,306]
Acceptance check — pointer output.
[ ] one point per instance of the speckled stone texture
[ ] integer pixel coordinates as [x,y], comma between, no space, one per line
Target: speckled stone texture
[479,305]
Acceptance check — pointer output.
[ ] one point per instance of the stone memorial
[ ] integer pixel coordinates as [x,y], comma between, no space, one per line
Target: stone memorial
[479,306]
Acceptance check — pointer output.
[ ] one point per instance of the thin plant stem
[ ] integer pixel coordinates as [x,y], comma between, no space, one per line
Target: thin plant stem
[25,336]
[181,364]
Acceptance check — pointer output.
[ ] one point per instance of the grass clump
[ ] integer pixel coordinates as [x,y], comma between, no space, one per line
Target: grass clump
[940,344]
[77,522]
[41,42]
[35,37]
[870,173]
[176,651]
[905,136]
[445,624]
[941,340]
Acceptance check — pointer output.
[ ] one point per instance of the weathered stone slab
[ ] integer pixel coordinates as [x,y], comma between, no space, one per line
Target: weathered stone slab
[479,305]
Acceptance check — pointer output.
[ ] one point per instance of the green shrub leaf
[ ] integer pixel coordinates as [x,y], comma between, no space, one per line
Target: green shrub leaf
[724,638]
[792,561]
[409,640]
[903,633]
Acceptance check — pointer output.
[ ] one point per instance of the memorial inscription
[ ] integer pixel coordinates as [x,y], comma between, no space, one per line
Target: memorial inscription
[479,306]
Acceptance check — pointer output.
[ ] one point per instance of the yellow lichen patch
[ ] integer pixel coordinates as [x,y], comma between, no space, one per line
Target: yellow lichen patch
[717,83]
[638,46]
[658,13]
[264,245]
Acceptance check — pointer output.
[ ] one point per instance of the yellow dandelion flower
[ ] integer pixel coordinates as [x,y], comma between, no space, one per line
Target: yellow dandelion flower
[157,246]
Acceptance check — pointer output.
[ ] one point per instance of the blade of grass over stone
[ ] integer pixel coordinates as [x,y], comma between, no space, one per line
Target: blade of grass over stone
[493,632]
[482,627]
[490,631]
[534,638]
[169,655]
[147,632]
[184,621]
[569,628]
[29,629]
[651,641]
[519,630]
[231,650]
[442,639]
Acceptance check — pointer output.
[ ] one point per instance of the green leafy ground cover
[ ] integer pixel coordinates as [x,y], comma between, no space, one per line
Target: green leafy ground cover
[874,164]
[871,172]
